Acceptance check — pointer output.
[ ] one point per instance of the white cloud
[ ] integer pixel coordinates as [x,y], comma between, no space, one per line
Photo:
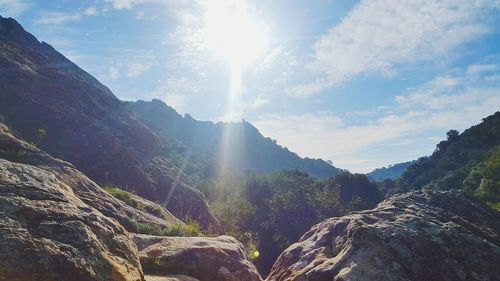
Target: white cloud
[176,101]
[57,18]
[176,92]
[137,69]
[377,36]
[139,15]
[129,4]
[123,4]
[492,78]
[91,11]
[13,8]
[418,116]
[257,102]
[481,68]
[114,73]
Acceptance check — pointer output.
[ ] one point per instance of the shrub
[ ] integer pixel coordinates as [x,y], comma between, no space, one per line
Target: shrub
[122,195]
[191,229]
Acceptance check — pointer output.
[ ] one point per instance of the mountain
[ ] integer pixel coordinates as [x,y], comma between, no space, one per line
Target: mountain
[50,101]
[238,146]
[391,172]
[470,161]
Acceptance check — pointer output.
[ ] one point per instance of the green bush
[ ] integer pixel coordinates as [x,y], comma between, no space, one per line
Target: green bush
[121,194]
[191,229]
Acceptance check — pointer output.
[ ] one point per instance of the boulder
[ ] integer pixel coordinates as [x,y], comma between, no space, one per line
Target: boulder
[48,233]
[14,149]
[220,258]
[423,235]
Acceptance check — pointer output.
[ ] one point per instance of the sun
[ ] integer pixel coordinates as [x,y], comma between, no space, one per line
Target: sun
[231,33]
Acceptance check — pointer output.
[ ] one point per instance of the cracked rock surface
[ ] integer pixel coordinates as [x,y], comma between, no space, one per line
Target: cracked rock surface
[422,235]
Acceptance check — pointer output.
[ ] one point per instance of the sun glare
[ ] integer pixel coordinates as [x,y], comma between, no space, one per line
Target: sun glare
[231,33]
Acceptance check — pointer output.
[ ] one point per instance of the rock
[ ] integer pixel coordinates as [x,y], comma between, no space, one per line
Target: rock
[86,125]
[183,198]
[48,233]
[424,235]
[17,150]
[220,258]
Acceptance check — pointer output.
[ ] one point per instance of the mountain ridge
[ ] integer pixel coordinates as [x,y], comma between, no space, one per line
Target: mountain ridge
[391,172]
[245,148]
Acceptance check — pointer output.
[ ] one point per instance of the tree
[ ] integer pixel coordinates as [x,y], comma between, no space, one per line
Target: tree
[452,135]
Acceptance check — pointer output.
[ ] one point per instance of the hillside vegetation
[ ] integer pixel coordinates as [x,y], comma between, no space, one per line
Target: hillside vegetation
[271,212]
[469,161]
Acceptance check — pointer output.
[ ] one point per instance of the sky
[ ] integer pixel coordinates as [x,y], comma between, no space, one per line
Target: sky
[364,84]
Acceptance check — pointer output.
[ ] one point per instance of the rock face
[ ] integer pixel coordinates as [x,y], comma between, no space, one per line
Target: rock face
[47,233]
[204,258]
[425,235]
[49,100]
[17,150]
[56,224]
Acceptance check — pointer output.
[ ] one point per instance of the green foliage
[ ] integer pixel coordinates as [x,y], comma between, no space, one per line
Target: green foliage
[252,251]
[121,194]
[39,136]
[41,133]
[495,206]
[191,229]
[468,161]
[489,186]
[268,213]
[234,213]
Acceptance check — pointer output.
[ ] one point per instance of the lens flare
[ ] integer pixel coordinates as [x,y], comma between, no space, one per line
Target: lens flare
[231,33]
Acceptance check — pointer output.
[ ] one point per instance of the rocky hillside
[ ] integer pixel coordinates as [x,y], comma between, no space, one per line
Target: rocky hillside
[50,101]
[48,233]
[49,227]
[57,224]
[16,150]
[245,148]
[425,235]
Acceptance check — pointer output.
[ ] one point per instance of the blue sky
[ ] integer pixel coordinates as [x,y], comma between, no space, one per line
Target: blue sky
[362,83]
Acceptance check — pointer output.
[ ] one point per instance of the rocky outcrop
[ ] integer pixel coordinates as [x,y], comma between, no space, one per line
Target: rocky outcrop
[49,100]
[56,224]
[48,233]
[204,258]
[17,150]
[183,199]
[425,235]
